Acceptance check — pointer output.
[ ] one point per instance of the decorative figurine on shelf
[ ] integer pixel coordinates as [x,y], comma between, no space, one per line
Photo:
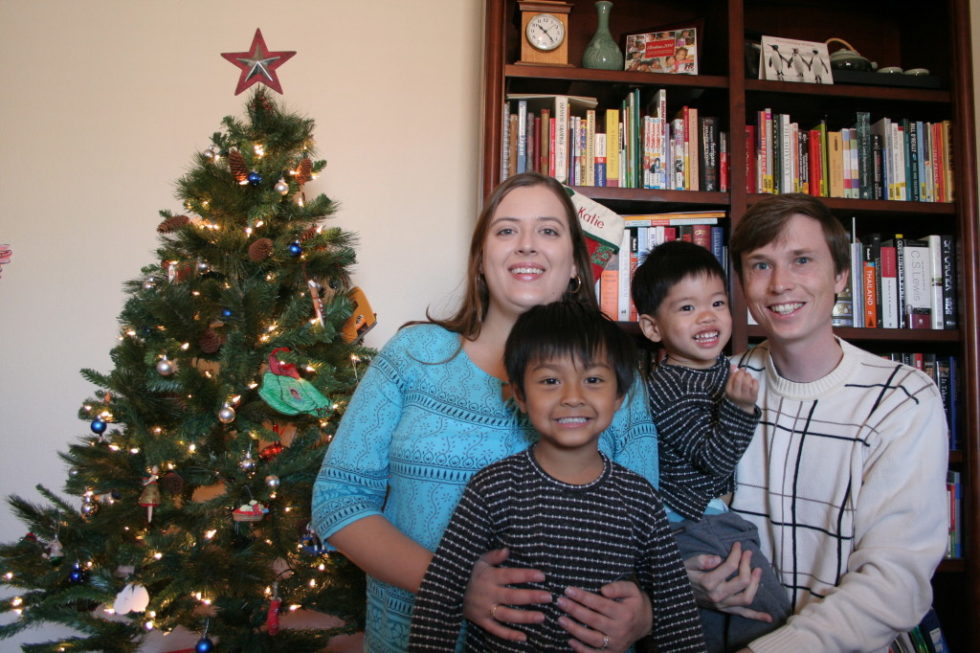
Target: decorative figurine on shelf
[150,496]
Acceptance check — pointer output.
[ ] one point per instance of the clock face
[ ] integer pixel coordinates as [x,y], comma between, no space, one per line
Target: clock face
[545,32]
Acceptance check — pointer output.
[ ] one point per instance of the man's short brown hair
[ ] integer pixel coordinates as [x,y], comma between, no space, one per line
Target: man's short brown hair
[764,222]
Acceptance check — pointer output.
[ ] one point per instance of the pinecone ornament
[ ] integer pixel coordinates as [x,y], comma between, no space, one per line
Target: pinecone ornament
[236,163]
[172,223]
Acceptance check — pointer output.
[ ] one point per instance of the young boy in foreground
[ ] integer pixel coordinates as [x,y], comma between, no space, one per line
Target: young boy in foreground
[561,506]
[706,416]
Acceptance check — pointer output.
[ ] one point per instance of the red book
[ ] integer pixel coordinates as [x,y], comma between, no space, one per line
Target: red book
[751,185]
[815,164]
[701,235]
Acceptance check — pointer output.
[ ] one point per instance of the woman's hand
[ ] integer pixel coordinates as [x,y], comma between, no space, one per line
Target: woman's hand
[727,585]
[487,596]
[614,620]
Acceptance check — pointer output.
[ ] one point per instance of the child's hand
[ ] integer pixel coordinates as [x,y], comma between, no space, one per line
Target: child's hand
[742,389]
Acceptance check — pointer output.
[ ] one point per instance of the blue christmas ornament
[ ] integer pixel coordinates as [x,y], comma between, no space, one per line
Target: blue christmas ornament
[254,178]
[295,249]
[204,645]
[98,426]
[227,312]
[77,575]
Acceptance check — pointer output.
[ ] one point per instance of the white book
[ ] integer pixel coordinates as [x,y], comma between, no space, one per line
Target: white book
[936,280]
[918,290]
[623,305]
[857,283]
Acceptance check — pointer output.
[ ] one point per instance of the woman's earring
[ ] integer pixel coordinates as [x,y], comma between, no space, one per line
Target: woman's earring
[574,285]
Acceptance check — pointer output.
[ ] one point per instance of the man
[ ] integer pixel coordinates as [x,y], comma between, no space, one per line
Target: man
[845,476]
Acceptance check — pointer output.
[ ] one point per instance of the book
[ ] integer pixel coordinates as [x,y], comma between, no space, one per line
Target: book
[936,304]
[863,128]
[870,293]
[918,295]
[751,165]
[835,156]
[709,153]
[889,287]
[950,286]
[562,107]
[723,169]
[612,147]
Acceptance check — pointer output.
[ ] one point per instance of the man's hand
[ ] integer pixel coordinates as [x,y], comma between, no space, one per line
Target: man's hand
[613,621]
[727,585]
[742,389]
[487,596]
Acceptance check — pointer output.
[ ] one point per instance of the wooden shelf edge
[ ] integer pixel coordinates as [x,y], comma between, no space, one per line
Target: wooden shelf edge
[851,91]
[951,565]
[654,195]
[877,206]
[881,335]
[613,76]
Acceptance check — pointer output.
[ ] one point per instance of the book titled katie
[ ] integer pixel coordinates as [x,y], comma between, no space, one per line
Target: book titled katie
[791,60]
[668,51]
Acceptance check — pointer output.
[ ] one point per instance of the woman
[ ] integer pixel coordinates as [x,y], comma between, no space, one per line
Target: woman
[432,409]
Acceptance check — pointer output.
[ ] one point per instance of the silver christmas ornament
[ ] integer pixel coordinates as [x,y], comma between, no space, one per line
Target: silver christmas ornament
[89,508]
[226,415]
[281,186]
[272,482]
[165,367]
[149,283]
[247,463]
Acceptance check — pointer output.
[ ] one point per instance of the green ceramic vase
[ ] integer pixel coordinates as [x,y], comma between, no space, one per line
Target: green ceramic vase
[602,51]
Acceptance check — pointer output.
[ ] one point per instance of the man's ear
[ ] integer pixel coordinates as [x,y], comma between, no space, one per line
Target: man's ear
[649,327]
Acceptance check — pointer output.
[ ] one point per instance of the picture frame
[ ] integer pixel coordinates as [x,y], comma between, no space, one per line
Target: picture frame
[793,60]
[672,49]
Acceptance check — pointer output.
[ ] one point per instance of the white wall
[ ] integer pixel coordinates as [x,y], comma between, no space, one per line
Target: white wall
[105,102]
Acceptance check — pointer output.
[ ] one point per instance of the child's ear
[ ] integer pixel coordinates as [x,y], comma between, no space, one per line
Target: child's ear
[519,400]
[650,328]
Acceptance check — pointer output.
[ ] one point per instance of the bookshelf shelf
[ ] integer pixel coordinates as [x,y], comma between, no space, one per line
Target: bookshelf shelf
[614,76]
[937,39]
[889,93]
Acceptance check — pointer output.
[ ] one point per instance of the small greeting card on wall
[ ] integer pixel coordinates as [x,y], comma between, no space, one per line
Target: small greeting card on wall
[666,51]
[790,60]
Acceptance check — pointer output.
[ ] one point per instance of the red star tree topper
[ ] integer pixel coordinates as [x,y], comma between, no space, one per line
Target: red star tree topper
[258,64]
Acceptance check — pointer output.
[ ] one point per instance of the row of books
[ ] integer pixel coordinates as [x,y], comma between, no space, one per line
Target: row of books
[643,233]
[900,283]
[927,637]
[630,146]
[901,159]
[945,372]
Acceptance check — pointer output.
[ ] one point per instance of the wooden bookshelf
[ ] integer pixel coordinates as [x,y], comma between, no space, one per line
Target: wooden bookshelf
[903,34]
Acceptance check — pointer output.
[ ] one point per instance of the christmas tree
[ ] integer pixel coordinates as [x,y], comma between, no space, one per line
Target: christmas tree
[237,354]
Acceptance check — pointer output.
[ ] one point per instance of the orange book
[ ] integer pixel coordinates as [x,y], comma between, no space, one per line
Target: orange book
[870,296]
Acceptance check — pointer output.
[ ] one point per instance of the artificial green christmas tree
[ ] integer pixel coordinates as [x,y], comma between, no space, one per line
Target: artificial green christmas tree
[190,498]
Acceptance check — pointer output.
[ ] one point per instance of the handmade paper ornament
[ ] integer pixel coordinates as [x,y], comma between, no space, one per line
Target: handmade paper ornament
[150,496]
[285,391]
[54,552]
[132,598]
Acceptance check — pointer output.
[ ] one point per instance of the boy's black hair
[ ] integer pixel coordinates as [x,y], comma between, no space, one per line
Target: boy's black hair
[666,265]
[568,328]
